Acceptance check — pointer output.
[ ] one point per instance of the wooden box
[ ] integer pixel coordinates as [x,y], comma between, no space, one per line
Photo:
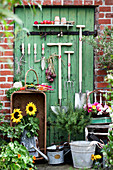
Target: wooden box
[20,99]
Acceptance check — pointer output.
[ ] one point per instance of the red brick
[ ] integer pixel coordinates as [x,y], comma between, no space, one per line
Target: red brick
[47,2]
[8,53]
[1,53]
[8,40]
[9,21]
[77,2]
[10,79]
[101,15]
[100,78]
[87,2]
[1,66]
[69,2]
[38,1]
[2,79]
[105,9]
[102,85]
[1,92]
[8,66]
[109,15]
[25,2]
[98,2]
[5,46]
[108,2]
[5,111]
[9,28]
[4,98]
[101,72]
[102,27]
[3,73]
[104,21]
[6,59]
[6,85]
[58,2]
[7,104]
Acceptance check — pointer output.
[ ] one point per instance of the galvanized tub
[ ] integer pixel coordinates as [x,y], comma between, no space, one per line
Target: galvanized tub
[81,153]
[55,155]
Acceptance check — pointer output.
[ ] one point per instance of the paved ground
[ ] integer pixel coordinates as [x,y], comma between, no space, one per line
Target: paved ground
[54,167]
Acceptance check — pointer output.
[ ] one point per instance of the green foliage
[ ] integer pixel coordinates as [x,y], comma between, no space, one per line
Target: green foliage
[15,156]
[10,91]
[108,151]
[30,123]
[104,44]
[73,120]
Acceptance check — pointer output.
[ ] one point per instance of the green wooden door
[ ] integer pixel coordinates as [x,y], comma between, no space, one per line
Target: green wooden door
[81,16]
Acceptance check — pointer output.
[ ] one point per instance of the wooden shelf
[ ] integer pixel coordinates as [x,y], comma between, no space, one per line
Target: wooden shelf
[53,25]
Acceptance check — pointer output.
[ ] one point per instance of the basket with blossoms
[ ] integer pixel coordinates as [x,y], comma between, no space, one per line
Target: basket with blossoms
[29,121]
[98,110]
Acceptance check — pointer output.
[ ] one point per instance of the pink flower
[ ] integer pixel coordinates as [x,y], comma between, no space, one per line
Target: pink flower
[99,107]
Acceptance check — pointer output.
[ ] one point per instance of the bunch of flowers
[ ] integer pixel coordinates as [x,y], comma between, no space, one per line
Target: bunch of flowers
[29,122]
[97,108]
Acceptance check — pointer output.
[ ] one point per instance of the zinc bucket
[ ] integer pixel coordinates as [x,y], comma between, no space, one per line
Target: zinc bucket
[81,154]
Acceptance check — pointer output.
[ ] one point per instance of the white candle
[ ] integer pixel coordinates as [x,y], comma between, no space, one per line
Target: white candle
[23,48]
[28,48]
[43,48]
[35,48]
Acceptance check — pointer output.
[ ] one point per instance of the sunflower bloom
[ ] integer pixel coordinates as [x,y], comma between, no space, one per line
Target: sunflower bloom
[34,158]
[31,108]
[92,157]
[19,155]
[16,116]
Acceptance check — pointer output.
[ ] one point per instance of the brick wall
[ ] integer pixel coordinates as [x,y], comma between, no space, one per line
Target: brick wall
[103,17]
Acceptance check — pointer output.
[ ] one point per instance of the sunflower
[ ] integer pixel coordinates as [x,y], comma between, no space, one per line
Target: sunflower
[31,108]
[16,115]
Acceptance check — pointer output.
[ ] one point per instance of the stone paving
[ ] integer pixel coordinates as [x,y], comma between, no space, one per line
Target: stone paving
[54,167]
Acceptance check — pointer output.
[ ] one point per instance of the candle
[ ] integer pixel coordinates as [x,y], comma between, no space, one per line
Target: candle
[28,48]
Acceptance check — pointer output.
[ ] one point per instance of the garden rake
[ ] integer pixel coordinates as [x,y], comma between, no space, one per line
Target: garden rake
[69,82]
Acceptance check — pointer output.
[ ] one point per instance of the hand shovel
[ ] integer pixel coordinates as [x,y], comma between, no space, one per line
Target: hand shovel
[80,97]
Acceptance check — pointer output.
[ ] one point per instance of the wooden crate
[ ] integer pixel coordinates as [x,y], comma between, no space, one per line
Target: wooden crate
[20,99]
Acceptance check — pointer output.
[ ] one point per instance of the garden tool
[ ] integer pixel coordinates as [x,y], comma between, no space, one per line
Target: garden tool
[35,53]
[29,55]
[56,108]
[43,58]
[80,97]
[69,65]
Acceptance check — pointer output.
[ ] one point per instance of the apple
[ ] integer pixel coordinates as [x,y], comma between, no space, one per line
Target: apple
[44,21]
[48,22]
[52,22]
[41,22]
[36,22]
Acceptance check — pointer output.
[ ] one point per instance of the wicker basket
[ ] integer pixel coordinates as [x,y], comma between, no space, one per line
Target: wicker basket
[39,87]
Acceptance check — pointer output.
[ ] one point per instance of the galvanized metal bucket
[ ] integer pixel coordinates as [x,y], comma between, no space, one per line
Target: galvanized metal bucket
[55,155]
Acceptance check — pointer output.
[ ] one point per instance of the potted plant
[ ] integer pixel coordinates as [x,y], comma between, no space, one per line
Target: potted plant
[72,120]
[99,113]
[26,126]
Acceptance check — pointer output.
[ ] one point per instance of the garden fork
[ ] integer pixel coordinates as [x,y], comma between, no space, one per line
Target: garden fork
[69,65]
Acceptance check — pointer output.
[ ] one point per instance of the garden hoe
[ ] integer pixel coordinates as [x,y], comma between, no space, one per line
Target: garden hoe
[60,108]
[80,97]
